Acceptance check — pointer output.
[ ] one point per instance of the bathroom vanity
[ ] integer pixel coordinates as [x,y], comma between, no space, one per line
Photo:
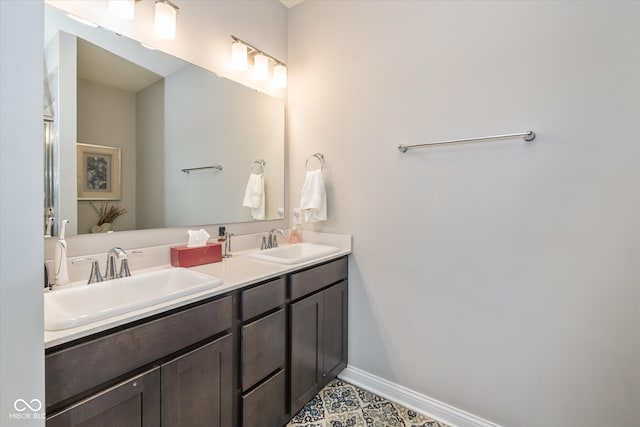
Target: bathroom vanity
[252,355]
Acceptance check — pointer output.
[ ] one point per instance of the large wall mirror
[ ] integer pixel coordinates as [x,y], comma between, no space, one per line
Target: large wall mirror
[136,129]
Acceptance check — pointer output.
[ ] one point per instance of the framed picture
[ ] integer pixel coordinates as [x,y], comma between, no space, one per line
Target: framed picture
[98,172]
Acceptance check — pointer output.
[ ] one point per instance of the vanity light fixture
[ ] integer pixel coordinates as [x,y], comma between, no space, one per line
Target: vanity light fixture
[239,55]
[260,67]
[280,75]
[242,53]
[165,19]
[124,9]
[82,20]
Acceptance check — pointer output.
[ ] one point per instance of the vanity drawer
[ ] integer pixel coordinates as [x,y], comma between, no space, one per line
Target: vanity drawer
[77,369]
[263,347]
[316,278]
[266,406]
[263,298]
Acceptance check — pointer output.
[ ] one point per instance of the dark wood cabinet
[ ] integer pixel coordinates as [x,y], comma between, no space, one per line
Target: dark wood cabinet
[334,330]
[75,369]
[306,350]
[252,357]
[135,402]
[191,390]
[196,387]
[190,351]
[263,357]
[318,330]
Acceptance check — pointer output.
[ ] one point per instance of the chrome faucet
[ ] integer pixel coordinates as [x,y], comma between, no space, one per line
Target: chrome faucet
[116,252]
[272,241]
[122,255]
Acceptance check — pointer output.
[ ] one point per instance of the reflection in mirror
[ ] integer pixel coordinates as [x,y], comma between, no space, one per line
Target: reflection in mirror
[165,116]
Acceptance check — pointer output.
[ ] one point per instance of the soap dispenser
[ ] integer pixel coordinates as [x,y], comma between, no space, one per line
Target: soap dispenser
[60,258]
[294,237]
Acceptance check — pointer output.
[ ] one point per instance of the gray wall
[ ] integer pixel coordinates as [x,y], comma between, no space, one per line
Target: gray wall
[21,206]
[150,157]
[501,278]
[107,116]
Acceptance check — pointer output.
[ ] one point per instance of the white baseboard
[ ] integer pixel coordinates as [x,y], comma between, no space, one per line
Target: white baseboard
[418,402]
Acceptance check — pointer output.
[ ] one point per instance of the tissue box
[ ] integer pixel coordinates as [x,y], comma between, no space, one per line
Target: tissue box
[182,256]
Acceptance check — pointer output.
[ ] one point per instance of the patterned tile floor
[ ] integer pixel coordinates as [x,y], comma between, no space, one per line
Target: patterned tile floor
[340,404]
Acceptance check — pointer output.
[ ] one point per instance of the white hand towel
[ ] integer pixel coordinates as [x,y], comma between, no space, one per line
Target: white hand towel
[254,196]
[314,197]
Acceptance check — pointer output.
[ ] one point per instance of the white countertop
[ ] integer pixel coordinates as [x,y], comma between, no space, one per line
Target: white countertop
[236,272]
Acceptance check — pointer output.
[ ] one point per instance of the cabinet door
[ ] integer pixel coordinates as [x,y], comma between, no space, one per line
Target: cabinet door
[197,387]
[306,350]
[334,330]
[135,402]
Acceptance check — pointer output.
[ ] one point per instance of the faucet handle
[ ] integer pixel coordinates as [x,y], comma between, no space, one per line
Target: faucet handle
[124,264]
[124,268]
[94,276]
[110,272]
[264,243]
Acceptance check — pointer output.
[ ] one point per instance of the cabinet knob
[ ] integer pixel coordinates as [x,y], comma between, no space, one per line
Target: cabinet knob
[135,384]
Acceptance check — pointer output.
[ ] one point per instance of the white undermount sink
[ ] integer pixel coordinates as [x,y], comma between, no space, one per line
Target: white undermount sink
[294,254]
[79,305]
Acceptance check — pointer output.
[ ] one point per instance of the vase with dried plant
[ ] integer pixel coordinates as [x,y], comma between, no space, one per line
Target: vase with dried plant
[107,214]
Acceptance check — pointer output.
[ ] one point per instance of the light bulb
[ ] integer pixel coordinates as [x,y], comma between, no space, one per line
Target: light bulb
[165,20]
[280,75]
[260,67]
[124,9]
[239,55]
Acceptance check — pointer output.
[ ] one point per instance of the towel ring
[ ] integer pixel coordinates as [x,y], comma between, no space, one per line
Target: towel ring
[257,167]
[318,156]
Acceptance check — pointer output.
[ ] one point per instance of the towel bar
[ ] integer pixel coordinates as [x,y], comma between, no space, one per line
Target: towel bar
[188,170]
[527,136]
